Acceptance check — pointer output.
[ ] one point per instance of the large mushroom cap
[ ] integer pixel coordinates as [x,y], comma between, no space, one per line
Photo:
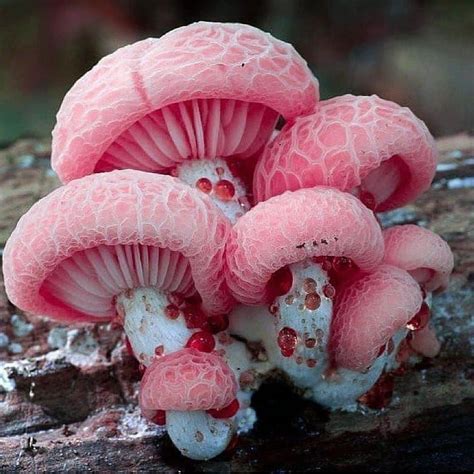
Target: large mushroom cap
[295,226]
[188,380]
[368,312]
[97,236]
[203,90]
[422,253]
[351,142]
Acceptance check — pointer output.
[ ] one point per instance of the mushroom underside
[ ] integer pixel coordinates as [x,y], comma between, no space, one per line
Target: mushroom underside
[197,128]
[89,280]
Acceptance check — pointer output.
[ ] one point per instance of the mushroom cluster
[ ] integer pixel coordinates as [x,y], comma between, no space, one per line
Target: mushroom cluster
[231,249]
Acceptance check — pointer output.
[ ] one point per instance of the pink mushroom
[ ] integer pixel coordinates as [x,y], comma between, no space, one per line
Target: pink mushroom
[369,312]
[186,384]
[366,145]
[422,253]
[291,254]
[206,90]
[428,258]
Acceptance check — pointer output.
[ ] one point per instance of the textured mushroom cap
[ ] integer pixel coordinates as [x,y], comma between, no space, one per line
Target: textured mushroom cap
[121,207]
[368,312]
[199,61]
[416,249]
[292,227]
[188,380]
[342,142]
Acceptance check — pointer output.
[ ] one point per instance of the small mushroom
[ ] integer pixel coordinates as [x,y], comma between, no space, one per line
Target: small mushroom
[204,91]
[187,384]
[368,312]
[422,253]
[367,145]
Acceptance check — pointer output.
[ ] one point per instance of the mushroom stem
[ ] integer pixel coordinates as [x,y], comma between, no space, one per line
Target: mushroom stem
[147,324]
[198,435]
[213,177]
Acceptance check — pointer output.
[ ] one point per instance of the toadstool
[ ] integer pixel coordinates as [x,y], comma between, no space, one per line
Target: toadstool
[204,91]
[366,145]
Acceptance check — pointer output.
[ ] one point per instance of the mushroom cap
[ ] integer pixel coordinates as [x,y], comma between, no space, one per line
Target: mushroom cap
[188,380]
[342,142]
[416,249]
[368,312]
[117,208]
[200,61]
[294,226]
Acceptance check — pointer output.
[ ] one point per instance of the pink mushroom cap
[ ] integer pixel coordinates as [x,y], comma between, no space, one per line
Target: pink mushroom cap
[368,312]
[294,226]
[351,141]
[422,253]
[188,380]
[111,231]
[201,61]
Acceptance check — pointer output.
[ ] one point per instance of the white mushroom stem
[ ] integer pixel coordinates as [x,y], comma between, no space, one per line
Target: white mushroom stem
[147,326]
[308,367]
[213,177]
[195,433]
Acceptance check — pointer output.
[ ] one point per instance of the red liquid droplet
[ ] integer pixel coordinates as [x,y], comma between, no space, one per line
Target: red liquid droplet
[218,323]
[380,394]
[368,199]
[329,291]
[159,350]
[420,320]
[312,301]
[273,309]
[309,285]
[287,341]
[204,185]
[227,412]
[310,343]
[220,171]
[280,282]
[129,347]
[172,311]
[160,418]
[202,341]
[311,363]
[225,190]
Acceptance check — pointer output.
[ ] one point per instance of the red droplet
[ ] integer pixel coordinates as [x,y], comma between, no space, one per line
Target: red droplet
[159,350]
[172,311]
[129,347]
[312,301]
[342,265]
[287,341]
[310,342]
[218,323]
[329,291]
[225,190]
[160,418]
[368,199]
[311,363]
[195,317]
[380,394]
[420,320]
[273,309]
[220,171]
[280,282]
[227,412]
[204,185]
[202,341]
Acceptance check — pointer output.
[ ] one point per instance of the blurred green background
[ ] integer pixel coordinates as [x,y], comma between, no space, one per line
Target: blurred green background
[416,52]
